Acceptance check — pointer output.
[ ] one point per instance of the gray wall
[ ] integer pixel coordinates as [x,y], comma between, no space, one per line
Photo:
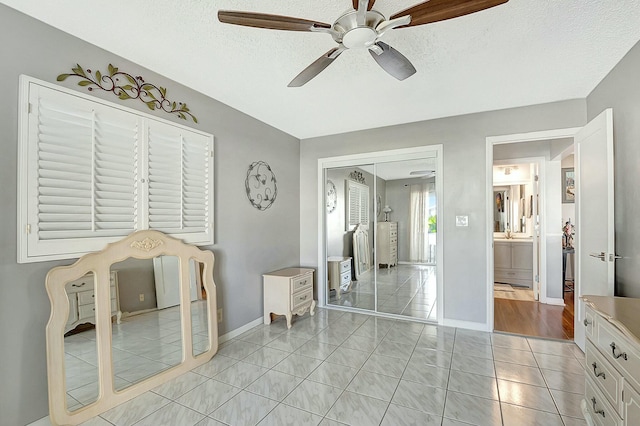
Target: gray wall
[248,242]
[136,277]
[464,179]
[620,90]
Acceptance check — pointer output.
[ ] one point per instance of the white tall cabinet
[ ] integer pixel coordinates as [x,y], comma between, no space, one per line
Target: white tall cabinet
[387,243]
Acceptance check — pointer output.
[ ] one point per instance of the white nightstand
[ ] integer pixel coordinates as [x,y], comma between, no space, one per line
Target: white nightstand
[288,291]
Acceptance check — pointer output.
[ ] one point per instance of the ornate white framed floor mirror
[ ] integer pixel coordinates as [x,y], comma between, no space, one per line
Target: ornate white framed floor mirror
[379,246]
[99,354]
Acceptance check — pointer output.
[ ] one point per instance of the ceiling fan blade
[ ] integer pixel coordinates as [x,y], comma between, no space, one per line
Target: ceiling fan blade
[369,7]
[393,61]
[316,67]
[264,20]
[440,10]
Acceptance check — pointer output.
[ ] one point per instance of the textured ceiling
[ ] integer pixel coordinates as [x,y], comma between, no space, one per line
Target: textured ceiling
[521,53]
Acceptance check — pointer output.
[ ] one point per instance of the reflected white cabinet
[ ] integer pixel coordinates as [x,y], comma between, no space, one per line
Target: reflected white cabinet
[288,291]
[339,273]
[513,262]
[82,306]
[612,387]
[387,244]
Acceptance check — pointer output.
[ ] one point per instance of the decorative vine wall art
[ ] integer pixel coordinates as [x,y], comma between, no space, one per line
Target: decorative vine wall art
[261,185]
[357,176]
[126,86]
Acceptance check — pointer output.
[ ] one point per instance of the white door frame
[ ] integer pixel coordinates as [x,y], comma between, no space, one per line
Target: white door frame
[427,151]
[508,139]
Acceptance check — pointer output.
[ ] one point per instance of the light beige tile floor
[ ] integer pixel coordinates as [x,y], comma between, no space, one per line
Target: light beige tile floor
[402,373]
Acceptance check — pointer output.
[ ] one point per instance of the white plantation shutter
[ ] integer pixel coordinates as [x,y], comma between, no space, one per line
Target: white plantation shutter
[196,183]
[115,180]
[165,178]
[357,204]
[83,169]
[179,182]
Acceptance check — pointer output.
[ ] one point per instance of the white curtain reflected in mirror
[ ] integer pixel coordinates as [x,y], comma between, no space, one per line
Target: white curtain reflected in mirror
[149,338]
[199,312]
[80,350]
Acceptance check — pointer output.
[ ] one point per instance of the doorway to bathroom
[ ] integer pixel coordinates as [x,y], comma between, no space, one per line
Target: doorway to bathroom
[530,295]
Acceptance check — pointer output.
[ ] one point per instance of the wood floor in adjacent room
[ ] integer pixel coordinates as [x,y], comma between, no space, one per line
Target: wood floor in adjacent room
[534,318]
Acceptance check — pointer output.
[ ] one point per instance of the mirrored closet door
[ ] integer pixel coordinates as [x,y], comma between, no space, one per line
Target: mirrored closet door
[381,236]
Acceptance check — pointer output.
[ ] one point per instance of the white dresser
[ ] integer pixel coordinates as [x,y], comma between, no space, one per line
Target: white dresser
[339,273]
[288,291]
[82,307]
[513,262]
[612,391]
[387,244]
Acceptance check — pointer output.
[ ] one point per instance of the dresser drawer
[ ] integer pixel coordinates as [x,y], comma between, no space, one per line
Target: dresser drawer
[86,311]
[619,352]
[345,266]
[301,299]
[602,373]
[81,284]
[602,413]
[86,298]
[301,283]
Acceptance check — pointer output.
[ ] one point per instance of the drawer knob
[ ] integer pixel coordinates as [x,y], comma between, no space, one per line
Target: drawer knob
[622,355]
[595,367]
[586,322]
[601,412]
[304,298]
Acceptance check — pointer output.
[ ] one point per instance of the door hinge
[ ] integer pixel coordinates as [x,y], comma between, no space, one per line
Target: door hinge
[537,279]
[613,257]
[536,178]
[29,107]
[28,228]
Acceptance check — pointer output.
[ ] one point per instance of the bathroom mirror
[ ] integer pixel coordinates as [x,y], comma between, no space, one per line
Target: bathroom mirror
[512,208]
[103,348]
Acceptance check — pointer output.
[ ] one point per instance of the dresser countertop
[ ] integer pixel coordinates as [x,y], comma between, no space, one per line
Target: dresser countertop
[623,312]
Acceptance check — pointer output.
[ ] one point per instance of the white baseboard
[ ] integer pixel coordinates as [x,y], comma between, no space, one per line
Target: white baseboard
[238,331]
[469,325]
[42,422]
[554,301]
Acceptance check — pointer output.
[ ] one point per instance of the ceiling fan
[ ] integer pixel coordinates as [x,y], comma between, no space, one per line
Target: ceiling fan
[362,28]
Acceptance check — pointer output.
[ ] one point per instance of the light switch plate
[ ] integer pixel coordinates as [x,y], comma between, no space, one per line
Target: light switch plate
[462,220]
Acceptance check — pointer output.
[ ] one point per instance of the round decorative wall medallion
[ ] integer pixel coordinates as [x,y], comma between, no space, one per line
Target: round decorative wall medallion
[332,197]
[261,185]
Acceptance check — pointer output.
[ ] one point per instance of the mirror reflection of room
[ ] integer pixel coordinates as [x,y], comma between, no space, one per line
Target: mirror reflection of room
[381,237]
[146,326]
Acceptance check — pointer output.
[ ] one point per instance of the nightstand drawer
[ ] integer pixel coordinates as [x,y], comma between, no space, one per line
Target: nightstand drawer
[345,266]
[301,283]
[345,278]
[301,299]
[86,298]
